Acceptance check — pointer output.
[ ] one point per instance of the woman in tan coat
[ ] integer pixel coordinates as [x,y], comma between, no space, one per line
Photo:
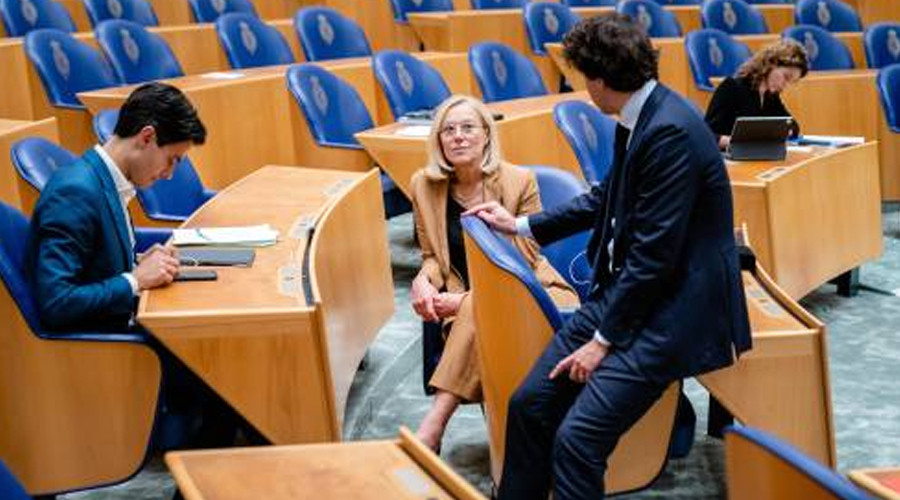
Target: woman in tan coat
[465,169]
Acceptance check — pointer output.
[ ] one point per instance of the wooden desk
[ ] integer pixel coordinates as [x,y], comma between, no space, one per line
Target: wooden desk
[281,341]
[881,483]
[873,11]
[399,469]
[528,136]
[13,189]
[853,41]
[253,120]
[810,217]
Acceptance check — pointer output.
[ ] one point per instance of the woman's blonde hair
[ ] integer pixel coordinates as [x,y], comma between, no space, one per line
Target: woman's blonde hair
[786,53]
[438,167]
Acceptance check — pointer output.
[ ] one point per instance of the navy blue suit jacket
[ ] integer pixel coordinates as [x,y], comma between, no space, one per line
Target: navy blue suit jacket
[78,248]
[672,298]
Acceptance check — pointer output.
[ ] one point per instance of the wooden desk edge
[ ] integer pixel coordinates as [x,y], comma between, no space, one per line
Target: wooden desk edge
[862,478]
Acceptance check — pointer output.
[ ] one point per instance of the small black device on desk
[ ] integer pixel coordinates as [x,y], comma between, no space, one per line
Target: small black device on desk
[202,256]
[759,138]
[196,275]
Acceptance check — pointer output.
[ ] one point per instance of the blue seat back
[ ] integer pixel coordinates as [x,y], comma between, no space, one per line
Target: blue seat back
[547,22]
[21,16]
[568,255]
[882,43]
[765,2]
[175,198]
[591,134]
[324,34]
[136,55]
[10,487]
[503,74]
[831,15]
[735,17]
[36,158]
[760,467]
[657,21]
[207,11]
[332,108]
[408,83]
[13,239]
[248,42]
[67,66]
[501,252]
[824,50]
[889,89]
[590,3]
[679,2]
[497,4]
[138,11]
[713,53]
[404,7]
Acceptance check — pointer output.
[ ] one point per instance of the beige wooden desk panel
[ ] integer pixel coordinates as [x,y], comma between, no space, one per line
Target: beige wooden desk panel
[812,216]
[882,482]
[873,11]
[528,136]
[401,469]
[253,335]
[13,190]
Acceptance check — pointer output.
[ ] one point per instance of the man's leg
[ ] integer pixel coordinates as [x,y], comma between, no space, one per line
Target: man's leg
[616,396]
[535,411]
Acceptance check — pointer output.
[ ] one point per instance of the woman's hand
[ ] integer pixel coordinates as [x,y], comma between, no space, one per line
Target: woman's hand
[447,304]
[423,295]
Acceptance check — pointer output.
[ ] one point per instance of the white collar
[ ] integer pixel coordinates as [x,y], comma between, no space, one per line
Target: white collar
[123,186]
[631,111]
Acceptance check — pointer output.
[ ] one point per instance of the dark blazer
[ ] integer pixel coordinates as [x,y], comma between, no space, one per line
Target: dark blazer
[736,97]
[673,301]
[78,248]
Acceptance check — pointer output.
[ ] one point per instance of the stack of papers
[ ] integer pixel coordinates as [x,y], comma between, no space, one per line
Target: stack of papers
[414,131]
[257,236]
[834,141]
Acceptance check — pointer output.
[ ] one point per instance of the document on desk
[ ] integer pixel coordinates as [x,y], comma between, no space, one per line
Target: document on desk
[834,141]
[223,75]
[414,131]
[256,236]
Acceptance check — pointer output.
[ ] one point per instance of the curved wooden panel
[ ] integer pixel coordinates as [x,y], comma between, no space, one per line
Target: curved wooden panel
[13,189]
[512,342]
[74,414]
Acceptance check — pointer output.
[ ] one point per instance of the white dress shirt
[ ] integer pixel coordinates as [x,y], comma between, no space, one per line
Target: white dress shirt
[127,193]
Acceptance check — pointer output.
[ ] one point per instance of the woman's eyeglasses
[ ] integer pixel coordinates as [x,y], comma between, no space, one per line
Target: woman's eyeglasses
[466,129]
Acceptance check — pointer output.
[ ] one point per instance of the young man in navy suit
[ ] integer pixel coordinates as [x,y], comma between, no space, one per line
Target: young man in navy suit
[81,242]
[666,298]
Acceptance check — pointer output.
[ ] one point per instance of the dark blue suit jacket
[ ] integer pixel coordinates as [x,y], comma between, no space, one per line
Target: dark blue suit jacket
[78,248]
[673,301]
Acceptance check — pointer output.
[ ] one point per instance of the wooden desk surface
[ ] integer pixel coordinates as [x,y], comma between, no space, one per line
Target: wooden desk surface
[400,469]
[282,357]
[527,137]
[13,190]
[881,482]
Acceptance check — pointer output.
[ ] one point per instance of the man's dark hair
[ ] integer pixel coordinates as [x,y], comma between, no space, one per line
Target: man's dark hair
[166,109]
[614,49]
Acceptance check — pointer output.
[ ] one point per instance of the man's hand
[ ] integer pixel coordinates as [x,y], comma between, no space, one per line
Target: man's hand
[156,247]
[423,294]
[581,363]
[447,304]
[156,268]
[495,215]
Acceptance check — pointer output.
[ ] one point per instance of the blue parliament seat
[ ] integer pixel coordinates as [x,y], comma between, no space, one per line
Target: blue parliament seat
[679,2]
[21,16]
[759,465]
[503,74]
[657,21]
[768,2]
[403,7]
[590,3]
[67,66]
[81,406]
[824,50]
[334,112]
[735,17]
[135,54]
[138,11]
[249,42]
[889,89]
[547,22]
[325,33]
[831,15]
[882,44]
[10,488]
[591,134]
[167,200]
[497,4]
[408,83]
[207,11]
[713,53]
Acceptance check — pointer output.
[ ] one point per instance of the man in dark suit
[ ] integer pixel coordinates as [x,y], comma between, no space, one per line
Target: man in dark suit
[81,242]
[666,300]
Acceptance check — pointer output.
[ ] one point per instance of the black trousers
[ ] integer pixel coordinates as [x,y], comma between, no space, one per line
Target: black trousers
[560,434]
